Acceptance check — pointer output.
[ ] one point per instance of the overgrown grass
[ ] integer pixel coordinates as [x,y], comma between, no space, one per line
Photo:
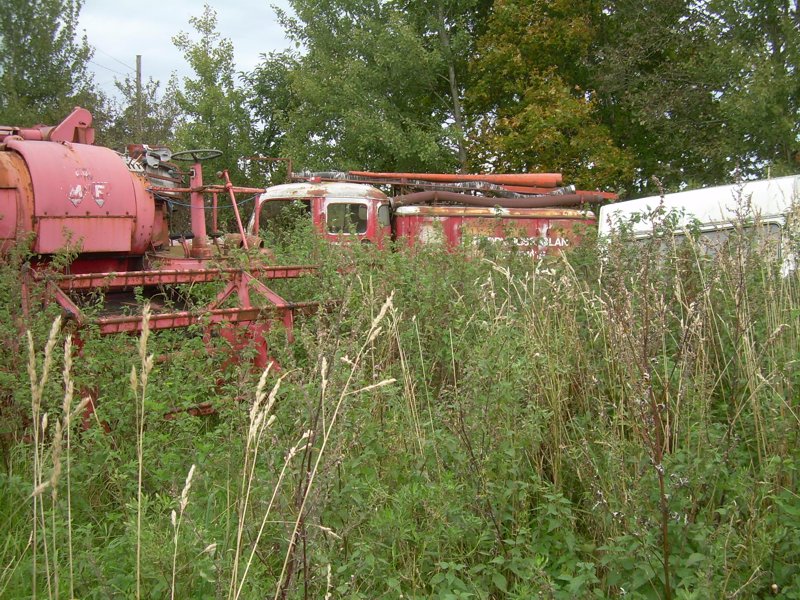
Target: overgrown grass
[498,429]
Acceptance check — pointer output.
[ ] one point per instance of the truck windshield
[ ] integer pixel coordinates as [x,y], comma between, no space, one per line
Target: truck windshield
[279,216]
[347,217]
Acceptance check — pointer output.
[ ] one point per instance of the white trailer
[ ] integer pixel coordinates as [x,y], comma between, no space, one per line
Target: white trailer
[713,212]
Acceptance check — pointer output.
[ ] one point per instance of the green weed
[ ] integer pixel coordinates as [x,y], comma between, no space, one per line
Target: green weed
[501,428]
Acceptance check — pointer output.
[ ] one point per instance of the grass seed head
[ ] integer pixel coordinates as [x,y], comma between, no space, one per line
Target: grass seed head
[146,313]
[79,409]
[262,383]
[69,388]
[186,488]
[323,370]
[386,306]
[39,489]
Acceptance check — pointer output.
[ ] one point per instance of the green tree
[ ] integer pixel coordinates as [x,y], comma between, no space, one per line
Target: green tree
[379,84]
[530,107]
[451,28]
[760,100]
[215,107]
[270,100]
[43,62]
[154,122]
[659,75]
[701,92]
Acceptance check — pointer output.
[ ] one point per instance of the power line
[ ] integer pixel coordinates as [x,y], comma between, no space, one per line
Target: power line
[127,66]
[107,68]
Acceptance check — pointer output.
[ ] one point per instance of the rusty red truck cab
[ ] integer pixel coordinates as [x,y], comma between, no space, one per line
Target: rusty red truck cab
[341,212]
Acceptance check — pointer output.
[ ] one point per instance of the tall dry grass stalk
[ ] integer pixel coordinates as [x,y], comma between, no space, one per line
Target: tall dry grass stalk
[60,439]
[66,408]
[260,420]
[409,391]
[176,525]
[138,382]
[427,394]
[374,331]
[69,415]
[294,451]
[37,384]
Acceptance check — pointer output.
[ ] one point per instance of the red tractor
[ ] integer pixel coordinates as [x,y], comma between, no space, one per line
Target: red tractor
[58,190]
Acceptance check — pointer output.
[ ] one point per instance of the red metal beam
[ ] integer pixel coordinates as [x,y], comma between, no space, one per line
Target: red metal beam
[180,319]
[206,189]
[126,279]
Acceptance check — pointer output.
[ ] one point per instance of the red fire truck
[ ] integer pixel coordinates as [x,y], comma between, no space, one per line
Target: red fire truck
[418,208]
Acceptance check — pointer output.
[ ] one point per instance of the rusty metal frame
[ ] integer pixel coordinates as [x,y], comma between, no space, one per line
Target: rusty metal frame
[238,281]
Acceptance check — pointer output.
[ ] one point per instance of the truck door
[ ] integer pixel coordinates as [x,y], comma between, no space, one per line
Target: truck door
[383,227]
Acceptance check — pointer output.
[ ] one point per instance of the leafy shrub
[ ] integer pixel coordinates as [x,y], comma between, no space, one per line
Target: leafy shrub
[563,429]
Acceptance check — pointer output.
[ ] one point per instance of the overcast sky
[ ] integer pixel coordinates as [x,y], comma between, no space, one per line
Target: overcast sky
[120,29]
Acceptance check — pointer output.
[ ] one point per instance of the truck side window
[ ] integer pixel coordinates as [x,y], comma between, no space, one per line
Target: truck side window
[345,217]
[384,219]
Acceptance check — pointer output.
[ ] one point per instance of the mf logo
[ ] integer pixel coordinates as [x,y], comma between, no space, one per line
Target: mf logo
[97,189]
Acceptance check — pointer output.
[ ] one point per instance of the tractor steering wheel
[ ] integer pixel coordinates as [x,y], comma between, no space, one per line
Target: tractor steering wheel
[196,155]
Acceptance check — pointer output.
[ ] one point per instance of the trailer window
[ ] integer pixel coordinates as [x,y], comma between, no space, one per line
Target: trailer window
[766,237]
[345,217]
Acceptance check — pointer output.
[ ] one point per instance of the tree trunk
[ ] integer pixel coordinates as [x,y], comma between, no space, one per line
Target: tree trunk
[455,96]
